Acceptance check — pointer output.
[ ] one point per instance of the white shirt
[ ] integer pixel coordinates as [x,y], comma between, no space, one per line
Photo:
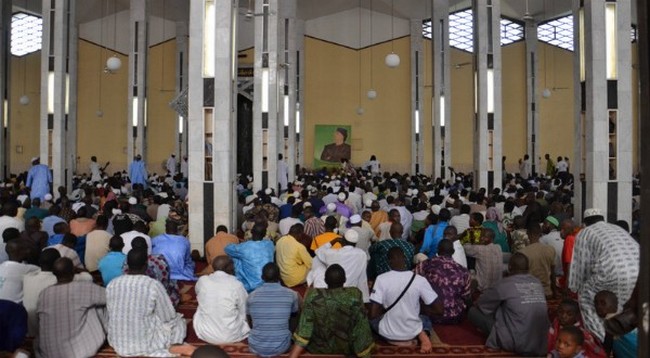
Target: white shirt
[11,279]
[184,168]
[283,175]
[354,202]
[353,261]
[460,222]
[33,284]
[221,314]
[3,252]
[95,174]
[286,224]
[171,165]
[561,166]
[163,212]
[459,254]
[366,237]
[69,253]
[402,322]
[128,237]
[9,221]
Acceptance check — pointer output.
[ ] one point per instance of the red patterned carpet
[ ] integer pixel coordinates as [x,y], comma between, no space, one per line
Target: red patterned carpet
[461,340]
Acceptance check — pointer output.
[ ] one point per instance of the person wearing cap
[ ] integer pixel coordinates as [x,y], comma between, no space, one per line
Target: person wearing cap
[353,260]
[605,257]
[138,171]
[366,235]
[553,238]
[39,179]
[338,150]
[170,165]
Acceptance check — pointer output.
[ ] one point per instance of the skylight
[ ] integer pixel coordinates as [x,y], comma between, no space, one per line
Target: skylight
[558,32]
[26,33]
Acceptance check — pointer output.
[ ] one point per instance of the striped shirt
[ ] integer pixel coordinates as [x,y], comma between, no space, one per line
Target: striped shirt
[270,307]
[142,320]
[71,320]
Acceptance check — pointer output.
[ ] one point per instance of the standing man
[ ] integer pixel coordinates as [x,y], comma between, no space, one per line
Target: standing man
[138,171]
[283,174]
[605,257]
[171,164]
[39,179]
[184,167]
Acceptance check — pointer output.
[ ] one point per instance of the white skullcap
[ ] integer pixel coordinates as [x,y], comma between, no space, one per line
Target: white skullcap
[420,257]
[268,191]
[133,200]
[331,207]
[435,209]
[47,197]
[593,212]
[368,202]
[341,196]
[355,219]
[352,236]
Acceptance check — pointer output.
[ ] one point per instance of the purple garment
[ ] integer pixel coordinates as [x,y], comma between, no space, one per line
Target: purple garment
[451,281]
[343,209]
[177,252]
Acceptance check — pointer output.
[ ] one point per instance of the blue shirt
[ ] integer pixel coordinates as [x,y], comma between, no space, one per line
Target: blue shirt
[270,307]
[176,250]
[110,266]
[137,172]
[39,178]
[432,237]
[249,258]
[49,222]
[54,239]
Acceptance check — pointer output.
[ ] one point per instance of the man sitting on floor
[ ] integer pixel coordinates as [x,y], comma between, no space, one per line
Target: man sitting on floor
[250,257]
[177,252]
[216,246]
[292,257]
[110,266]
[449,279]
[513,313]
[12,272]
[142,320]
[269,308]
[379,261]
[333,320]
[71,315]
[489,259]
[398,293]
[221,315]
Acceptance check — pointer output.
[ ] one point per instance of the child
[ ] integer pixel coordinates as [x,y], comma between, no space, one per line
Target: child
[606,304]
[569,343]
[568,315]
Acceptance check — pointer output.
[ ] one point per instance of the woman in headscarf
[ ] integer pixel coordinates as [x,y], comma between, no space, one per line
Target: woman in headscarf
[492,221]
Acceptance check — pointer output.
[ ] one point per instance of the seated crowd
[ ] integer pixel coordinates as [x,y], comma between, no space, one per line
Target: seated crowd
[376,258]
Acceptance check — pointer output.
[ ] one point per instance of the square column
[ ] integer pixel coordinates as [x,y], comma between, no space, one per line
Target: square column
[265,102]
[487,94]
[287,58]
[300,92]
[532,97]
[212,104]
[604,111]
[182,40]
[440,100]
[5,81]
[136,126]
[417,92]
[59,25]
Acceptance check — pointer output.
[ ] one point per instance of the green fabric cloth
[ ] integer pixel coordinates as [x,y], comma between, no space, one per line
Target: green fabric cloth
[333,322]
[500,238]
[471,236]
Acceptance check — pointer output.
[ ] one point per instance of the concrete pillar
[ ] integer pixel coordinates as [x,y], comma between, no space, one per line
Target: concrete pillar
[532,97]
[212,106]
[71,159]
[487,94]
[136,127]
[265,103]
[5,82]
[287,80]
[300,93]
[417,96]
[56,66]
[604,107]
[441,90]
[182,60]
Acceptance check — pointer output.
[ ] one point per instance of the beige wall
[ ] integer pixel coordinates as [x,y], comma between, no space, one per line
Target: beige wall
[24,123]
[105,136]
[334,89]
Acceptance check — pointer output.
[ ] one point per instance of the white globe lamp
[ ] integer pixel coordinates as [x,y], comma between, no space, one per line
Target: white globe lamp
[372,94]
[24,100]
[360,110]
[113,63]
[546,93]
[392,60]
